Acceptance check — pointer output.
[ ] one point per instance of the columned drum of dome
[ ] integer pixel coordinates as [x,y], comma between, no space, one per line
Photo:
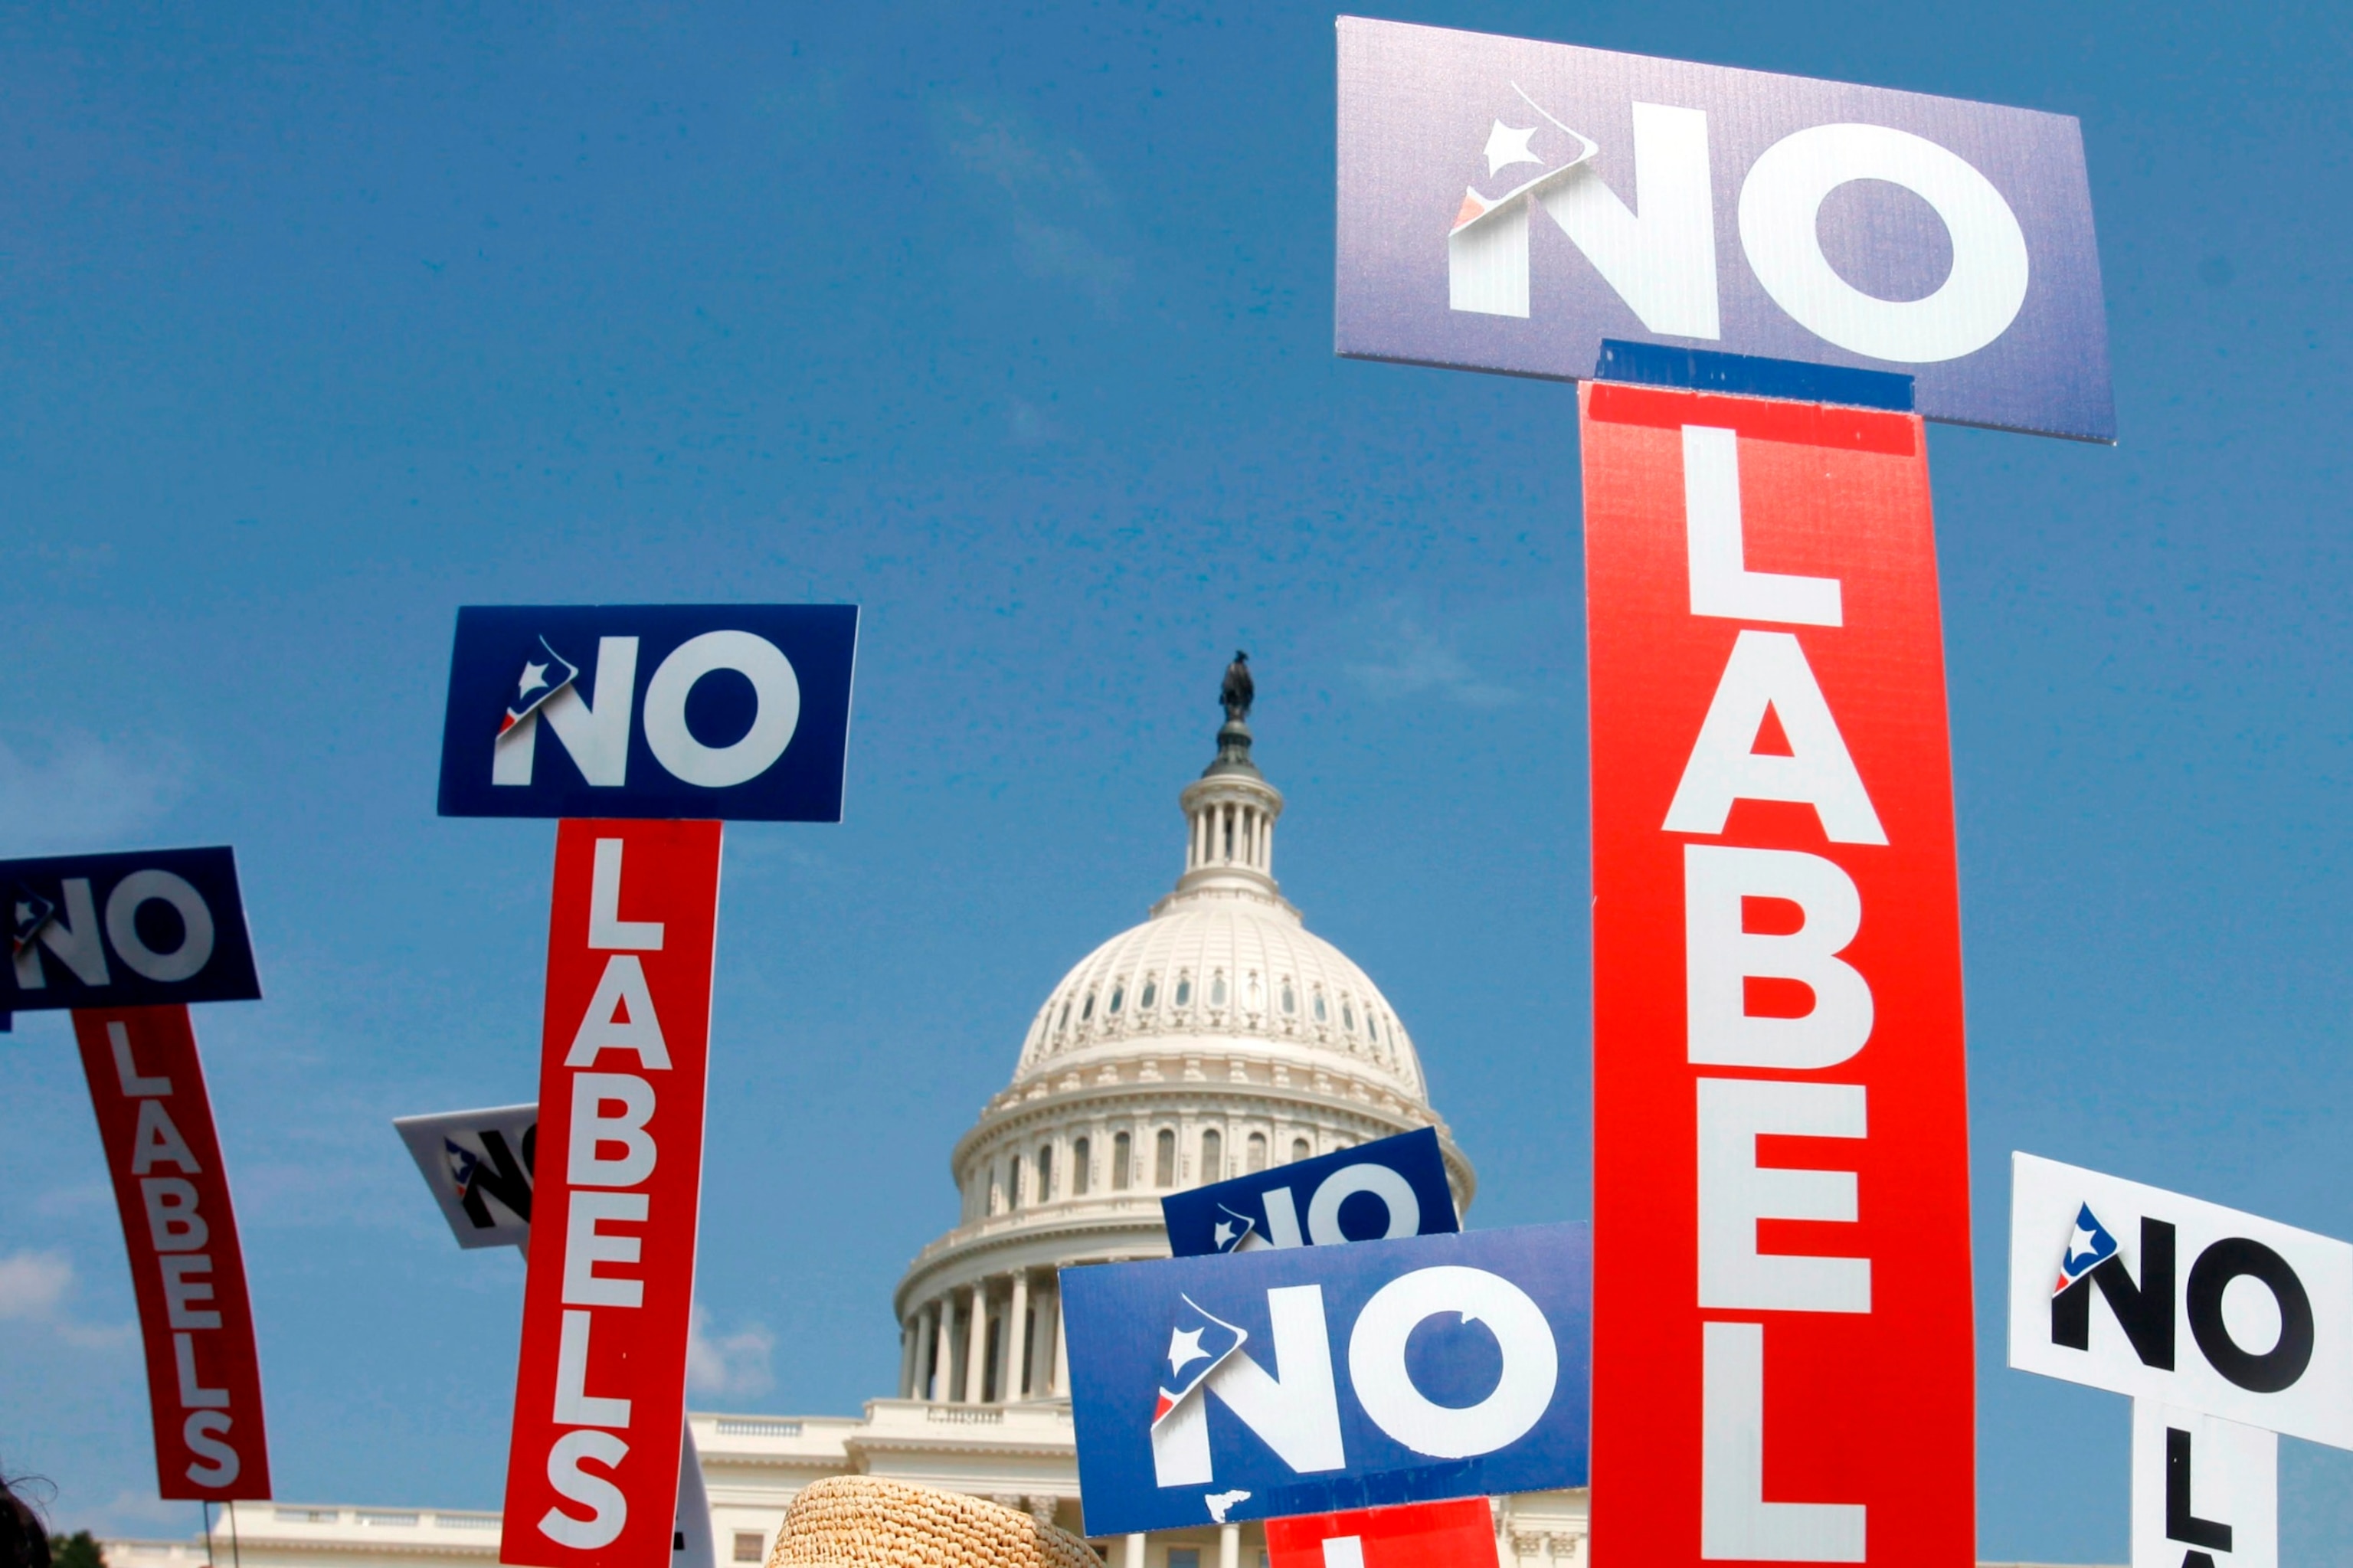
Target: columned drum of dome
[1218,1037]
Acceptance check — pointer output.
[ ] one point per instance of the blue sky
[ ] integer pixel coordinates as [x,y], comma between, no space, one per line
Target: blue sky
[1014,326]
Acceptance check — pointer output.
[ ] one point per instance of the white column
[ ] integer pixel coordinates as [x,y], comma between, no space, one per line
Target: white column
[1041,1360]
[1230,1546]
[975,1349]
[1017,1335]
[942,1350]
[1133,1555]
[911,1334]
[1061,1348]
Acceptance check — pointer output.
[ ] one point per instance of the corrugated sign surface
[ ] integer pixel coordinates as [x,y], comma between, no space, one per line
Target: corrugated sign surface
[1505,205]
[1782,1345]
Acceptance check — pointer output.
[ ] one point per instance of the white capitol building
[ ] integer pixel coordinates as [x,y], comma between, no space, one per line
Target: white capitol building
[1218,1037]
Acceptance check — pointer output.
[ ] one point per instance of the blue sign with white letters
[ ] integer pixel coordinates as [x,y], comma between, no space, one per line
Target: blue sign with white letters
[146,929]
[735,712]
[1388,1187]
[1316,1379]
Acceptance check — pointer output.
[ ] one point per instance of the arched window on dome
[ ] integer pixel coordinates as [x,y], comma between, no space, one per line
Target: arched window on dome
[1323,1014]
[1013,1184]
[1082,1154]
[1065,1022]
[1122,1162]
[1290,997]
[1347,1015]
[1151,993]
[1213,1157]
[1163,1158]
[1184,990]
[1088,1011]
[1253,993]
[1118,997]
[1255,1159]
[1045,1194]
[1299,1150]
[1218,988]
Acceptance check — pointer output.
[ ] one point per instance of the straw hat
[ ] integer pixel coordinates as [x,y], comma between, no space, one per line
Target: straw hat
[865,1521]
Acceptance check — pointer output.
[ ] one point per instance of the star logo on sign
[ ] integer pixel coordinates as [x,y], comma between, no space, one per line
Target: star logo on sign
[1506,146]
[1225,1234]
[2089,1245]
[30,912]
[537,685]
[1184,1349]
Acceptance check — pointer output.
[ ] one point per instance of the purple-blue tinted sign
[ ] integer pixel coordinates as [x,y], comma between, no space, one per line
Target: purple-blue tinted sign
[1505,205]
[1317,1378]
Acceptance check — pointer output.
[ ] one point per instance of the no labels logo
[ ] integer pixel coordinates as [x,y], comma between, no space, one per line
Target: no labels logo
[147,928]
[708,711]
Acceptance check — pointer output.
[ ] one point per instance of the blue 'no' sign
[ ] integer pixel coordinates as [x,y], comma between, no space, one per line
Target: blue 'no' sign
[1316,1379]
[736,712]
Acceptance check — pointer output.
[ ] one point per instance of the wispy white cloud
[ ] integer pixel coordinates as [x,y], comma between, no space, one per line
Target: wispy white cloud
[143,1514]
[80,790]
[735,1365]
[33,1289]
[1060,216]
[32,1283]
[1411,660]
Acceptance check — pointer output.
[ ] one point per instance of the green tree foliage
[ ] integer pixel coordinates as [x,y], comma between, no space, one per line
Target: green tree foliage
[74,1550]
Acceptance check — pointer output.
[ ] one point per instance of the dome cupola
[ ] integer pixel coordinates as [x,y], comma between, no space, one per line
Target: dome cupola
[1218,1037]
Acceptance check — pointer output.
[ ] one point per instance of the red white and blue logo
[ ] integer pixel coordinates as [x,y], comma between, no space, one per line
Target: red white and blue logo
[2089,1246]
[1526,161]
[463,1162]
[1236,1232]
[1198,1345]
[27,913]
[541,679]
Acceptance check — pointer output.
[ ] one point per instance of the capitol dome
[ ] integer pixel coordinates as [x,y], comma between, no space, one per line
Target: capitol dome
[1218,1038]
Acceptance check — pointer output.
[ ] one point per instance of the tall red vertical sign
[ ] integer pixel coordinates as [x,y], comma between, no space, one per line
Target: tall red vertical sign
[204,1377]
[1781,1317]
[600,1390]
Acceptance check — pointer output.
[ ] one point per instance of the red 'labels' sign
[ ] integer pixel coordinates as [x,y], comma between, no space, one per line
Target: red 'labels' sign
[592,1472]
[1459,1534]
[204,1381]
[1781,1339]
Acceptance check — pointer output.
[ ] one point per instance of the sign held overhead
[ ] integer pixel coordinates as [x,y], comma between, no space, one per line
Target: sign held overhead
[1505,205]
[151,927]
[187,1271]
[1391,1187]
[2144,1292]
[600,1384]
[478,1165]
[731,712]
[1318,1379]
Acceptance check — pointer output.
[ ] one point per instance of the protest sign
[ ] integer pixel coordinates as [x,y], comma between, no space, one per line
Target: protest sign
[187,1271]
[1312,1379]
